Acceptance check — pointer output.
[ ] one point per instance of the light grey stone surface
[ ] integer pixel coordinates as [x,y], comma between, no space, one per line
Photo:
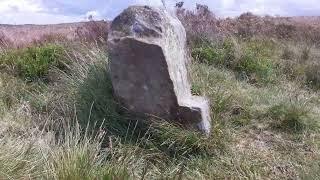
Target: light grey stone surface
[148,66]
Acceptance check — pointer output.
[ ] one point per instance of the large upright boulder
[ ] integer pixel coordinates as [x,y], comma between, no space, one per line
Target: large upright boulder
[148,66]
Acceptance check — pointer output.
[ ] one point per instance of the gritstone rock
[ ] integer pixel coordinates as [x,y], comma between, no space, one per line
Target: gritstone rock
[148,65]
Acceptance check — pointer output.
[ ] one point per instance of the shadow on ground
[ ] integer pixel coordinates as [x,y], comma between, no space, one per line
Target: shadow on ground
[97,106]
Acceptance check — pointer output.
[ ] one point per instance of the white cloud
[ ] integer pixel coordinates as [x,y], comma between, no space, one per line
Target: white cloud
[149,2]
[32,12]
[7,6]
[38,18]
[95,14]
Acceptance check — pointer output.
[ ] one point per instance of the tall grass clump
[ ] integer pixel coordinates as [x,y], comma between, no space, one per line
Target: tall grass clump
[251,60]
[215,54]
[70,153]
[33,63]
[19,158]
[257,69]
[291,117]
[313,76]
[76,155]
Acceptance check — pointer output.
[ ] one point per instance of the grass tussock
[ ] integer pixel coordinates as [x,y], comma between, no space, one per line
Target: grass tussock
[313,75]
[34,62]
[251,60]
[291,117]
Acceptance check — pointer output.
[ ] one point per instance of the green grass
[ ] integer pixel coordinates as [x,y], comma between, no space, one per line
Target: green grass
[33,63]
[252,61]
[74,128]
[291,117]
[313,76]
[214,54]
[19,159]
[257,69]
[300,62]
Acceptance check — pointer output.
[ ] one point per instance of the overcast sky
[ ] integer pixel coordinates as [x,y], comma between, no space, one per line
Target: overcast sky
[60,11]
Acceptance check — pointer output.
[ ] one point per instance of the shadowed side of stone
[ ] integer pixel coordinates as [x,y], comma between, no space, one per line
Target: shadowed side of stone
[141,79]
[148,67]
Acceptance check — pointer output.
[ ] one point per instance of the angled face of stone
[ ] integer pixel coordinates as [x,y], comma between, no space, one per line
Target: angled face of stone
[148,67]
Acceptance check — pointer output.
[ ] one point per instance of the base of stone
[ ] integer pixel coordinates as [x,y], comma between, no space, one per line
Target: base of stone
[195,112]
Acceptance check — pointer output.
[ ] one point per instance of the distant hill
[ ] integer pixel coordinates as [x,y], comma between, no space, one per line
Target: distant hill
[21,35]
[25,34]
[310,20]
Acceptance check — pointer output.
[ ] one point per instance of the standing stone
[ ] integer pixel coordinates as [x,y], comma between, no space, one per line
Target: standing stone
[148,67]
